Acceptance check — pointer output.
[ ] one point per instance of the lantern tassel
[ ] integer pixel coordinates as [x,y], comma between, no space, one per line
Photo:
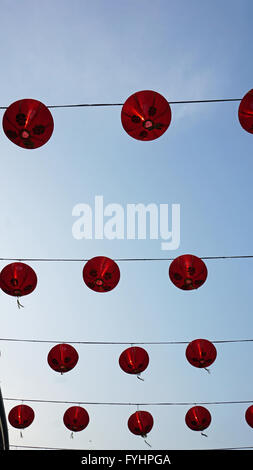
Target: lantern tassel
[207,370]
[72,435]
[146,442]
[202,434]
[140,378]
[145,437]
[19,304]
[21,435]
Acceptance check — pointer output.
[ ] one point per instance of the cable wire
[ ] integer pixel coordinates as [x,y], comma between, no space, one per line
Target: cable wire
[66,402]
[121,104]
[61,448]
[125,259]
[217,341]
[87,105]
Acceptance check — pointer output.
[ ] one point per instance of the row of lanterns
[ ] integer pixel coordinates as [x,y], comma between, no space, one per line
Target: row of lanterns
[145,115]
[140,423]
[200,353]
[102,274]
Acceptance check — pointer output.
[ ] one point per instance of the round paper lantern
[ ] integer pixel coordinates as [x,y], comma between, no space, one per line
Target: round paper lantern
[198,418]
[76,418]
[140,423]
[249,416]
[18,279]
[245,112]
[62,358]
[134,360]
[28,123]
[188,272]
[21,416]
[101,274]
[146,115]
[201,353]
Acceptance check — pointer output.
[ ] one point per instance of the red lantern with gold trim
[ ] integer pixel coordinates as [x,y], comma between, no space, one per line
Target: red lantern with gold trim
[76,418]
[18,279]
[188,272]
[101,274]
[134,360]
[62,358]
[146,115]
[201,353]
[28,123]
[245,112]
[198,418]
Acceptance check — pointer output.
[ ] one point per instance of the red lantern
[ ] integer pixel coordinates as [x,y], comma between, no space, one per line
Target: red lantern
[134,360]
[101,274]
[62,358]
[201,353]
[18,279]
[146,115]
[198,418]
[28,123]
[140,423]
[245,112]
[188,272]
[76,418]
[21,416]
[249,416]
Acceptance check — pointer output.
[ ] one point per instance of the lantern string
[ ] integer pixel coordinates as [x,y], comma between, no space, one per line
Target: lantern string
[202,434]
[121,104]
[123,259]
[35,400]
[49,341]
[61,448]
[88,105]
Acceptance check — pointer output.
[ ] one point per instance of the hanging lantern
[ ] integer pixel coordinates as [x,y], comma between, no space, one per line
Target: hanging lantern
[62,358]
[188,272]
[18,279]
[198,418]
[101,274]
[28,123]
[245,112]
[146,115]
[249,416]
[140,423]
[21,416]
[134,360]
[201,353]
[76,418]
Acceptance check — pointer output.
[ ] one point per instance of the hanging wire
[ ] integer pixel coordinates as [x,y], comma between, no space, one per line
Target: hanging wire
[218,341]
[124,259]
[61,448]
[87,105]
[35,400]
[121,104]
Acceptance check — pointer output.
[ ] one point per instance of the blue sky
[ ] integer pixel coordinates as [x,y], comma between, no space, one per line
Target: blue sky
[102,52]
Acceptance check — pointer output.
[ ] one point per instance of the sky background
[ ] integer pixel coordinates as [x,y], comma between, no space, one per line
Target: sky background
[101,52]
